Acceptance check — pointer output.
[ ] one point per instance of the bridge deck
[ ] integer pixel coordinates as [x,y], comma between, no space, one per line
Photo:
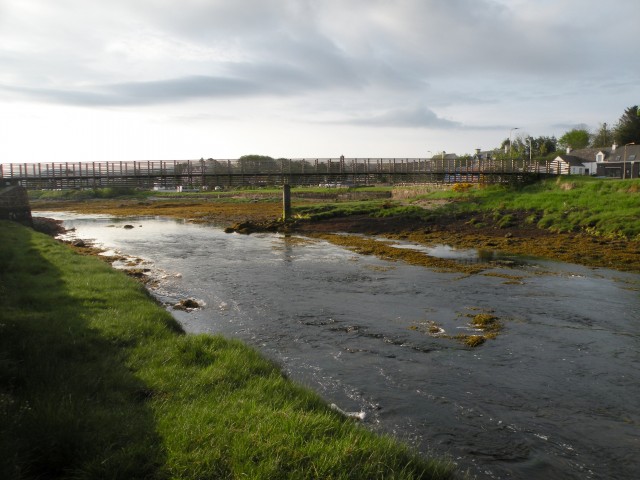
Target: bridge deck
[211,173]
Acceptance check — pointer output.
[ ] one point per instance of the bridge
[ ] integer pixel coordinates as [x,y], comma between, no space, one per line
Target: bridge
[210,173]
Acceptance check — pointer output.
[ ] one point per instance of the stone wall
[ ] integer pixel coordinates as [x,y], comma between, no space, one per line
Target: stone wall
[14,205]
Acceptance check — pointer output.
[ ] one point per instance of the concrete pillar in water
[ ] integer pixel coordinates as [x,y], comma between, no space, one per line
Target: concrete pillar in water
[286,202]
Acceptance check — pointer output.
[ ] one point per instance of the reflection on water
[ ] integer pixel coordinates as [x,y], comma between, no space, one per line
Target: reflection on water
[556,395]
[465,255]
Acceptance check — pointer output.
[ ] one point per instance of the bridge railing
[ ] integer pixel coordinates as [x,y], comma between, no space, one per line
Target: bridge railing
[171,173]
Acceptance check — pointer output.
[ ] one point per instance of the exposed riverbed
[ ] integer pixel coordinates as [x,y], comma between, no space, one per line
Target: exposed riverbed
[554,395]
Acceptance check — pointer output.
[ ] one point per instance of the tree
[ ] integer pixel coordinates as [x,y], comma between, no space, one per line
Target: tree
[511,148]
[544,145]
[575,138]
[603,137]
[628,127]
[257,164]
[540,147]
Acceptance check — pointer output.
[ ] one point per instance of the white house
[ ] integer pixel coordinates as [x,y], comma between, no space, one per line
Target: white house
[615,162]
[570,165]
[584,161]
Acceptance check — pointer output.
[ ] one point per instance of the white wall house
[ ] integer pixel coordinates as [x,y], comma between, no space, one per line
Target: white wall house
[570,165]
[614,162]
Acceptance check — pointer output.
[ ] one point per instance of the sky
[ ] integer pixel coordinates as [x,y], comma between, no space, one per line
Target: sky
[95,80]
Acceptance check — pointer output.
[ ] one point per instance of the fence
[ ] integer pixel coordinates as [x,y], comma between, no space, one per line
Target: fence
[203,174]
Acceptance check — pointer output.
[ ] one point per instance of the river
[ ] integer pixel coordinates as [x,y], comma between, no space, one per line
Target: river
[555,395]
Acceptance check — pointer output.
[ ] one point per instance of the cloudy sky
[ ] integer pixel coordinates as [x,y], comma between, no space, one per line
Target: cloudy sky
[90,80]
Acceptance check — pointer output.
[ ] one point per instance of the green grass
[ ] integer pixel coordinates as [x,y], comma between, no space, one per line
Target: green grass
[373,208]
[341,209]
[563,204]
[77,194]
[601,207]
[98,381]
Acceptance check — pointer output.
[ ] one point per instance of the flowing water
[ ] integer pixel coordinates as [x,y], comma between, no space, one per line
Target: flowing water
[555,395]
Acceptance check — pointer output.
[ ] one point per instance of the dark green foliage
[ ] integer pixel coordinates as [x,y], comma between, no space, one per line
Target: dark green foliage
[520,146]
[261,163]
[603,137]
[342,209]
[575,138]
[628,127]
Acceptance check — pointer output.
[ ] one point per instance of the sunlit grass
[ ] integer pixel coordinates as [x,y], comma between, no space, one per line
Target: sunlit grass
[98,381]
[563,204]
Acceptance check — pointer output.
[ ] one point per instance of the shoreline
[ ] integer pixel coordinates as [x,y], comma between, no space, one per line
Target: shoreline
[460,232]
[108,384]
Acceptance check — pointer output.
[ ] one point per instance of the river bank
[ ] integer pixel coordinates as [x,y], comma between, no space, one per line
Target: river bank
[381,338]
[485,232]
[97,380]
[565,329]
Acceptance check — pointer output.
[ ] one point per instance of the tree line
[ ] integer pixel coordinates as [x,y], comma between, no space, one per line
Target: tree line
[625,131]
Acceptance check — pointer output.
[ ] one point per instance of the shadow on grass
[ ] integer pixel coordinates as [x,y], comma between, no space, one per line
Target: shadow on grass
[69,405]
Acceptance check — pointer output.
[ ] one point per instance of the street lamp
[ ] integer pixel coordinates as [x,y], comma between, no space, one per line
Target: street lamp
[624,162]
[510,132]
[530,148]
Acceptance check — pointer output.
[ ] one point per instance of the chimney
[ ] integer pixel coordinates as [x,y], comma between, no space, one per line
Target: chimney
[477,151]
[568,150]
[613,148]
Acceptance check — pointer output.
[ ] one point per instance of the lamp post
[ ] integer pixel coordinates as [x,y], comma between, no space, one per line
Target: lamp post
[510,132]
[624,162]
[530,149]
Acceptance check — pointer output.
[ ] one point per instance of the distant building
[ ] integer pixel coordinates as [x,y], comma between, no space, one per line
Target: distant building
[481,155]
[615,162]
[568,165]
[444,156]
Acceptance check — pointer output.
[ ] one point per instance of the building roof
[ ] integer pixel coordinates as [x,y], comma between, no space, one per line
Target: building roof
[588,154]
[572,160]
[484,155]
[610,155]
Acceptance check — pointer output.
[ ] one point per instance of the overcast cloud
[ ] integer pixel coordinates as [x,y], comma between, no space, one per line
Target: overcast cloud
[130,79]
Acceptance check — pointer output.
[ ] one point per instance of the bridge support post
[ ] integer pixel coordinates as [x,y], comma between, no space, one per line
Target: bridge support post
[286,202]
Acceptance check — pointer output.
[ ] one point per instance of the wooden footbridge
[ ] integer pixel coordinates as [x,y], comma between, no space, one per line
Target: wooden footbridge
[211,174]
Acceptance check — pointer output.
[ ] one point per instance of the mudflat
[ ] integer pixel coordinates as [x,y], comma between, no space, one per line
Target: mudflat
[265,213]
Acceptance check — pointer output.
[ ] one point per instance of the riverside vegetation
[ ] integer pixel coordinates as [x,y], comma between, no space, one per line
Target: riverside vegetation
[99,381]
[588,221]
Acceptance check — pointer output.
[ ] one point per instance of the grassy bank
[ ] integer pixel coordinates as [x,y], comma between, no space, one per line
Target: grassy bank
[98,381]
[602,207]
